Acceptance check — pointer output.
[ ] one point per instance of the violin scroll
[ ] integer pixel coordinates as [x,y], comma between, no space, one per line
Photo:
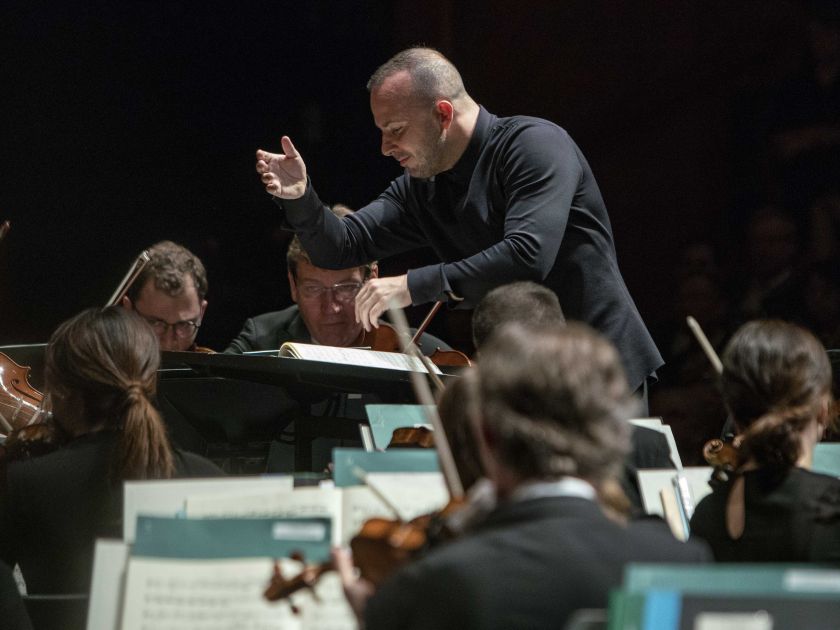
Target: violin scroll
[723,456]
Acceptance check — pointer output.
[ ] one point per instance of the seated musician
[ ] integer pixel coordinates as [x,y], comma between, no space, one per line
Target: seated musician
[532,304]
[551,424]
[101,374]
[323,312]
[776,384]
[170,294]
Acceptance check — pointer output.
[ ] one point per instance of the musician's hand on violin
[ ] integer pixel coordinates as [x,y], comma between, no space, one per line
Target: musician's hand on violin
[357,590]
[377,296]
[284,174]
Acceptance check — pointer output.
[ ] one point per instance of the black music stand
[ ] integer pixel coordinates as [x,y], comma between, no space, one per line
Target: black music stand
[217,392]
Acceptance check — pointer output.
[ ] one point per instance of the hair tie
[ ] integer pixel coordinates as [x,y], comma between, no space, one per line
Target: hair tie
[135,391]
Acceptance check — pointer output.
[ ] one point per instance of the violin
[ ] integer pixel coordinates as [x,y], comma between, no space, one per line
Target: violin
[20,403]
[386,339]
[383,545]
[22,413]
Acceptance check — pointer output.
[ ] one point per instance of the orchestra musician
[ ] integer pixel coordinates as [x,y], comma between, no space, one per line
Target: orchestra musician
[776,384]
[170,294]
[497,199]
[531,304]
[323,312]
[101,376]
[551,424]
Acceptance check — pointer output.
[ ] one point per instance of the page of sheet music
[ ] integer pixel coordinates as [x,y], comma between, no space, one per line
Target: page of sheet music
[412,493]
[353,356]
[166,497]
[302,502]
[177,594]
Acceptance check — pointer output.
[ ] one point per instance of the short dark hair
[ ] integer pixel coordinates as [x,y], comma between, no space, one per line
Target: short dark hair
[297,253]
[169,266]
[556,401]
[524,302]
[433,75]
[776,376]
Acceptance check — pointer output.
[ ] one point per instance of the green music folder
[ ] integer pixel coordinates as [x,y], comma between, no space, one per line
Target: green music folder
[350,465]
[384,419]
[165,537]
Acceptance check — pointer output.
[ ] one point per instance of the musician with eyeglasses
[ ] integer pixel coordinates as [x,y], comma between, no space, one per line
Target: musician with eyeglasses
[170,295]
[324,309]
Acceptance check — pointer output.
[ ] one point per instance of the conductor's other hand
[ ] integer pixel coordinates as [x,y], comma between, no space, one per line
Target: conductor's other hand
[284,174]
[377,296]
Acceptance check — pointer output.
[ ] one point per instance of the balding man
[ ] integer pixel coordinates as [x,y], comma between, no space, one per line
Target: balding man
[497,199]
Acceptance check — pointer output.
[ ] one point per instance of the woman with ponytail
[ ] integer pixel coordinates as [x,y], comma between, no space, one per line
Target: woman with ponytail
[101,375]
[776,384]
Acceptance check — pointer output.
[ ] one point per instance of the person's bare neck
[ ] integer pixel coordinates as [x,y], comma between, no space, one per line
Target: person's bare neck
[461,130]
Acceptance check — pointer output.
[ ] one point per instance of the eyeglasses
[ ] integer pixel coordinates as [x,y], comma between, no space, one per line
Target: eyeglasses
[184,329]
[342,291]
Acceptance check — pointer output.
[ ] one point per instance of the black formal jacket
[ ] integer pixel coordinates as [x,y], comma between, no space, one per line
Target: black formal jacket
[269,331]
[529,565]
[53,507]
[792,519]
[521,203]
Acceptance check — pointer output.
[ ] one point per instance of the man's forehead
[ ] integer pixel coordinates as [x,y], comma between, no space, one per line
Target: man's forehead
[152,295]
[393,100]
[307,272]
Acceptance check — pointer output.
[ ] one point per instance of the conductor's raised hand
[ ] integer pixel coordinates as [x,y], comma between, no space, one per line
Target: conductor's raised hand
[377,296]
[284,174]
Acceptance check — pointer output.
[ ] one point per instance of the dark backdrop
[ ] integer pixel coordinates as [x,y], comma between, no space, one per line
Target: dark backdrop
[126,122]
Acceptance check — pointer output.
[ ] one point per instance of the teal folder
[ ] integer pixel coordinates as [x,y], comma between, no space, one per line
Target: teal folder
[351,464]
[827,459]
[164,537]
[742,579]
[384,419]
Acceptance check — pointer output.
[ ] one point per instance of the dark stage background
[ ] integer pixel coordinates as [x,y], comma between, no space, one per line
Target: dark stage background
[127,122]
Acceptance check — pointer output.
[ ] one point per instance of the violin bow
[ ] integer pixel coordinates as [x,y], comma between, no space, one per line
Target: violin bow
[703,340]
[424,395]
[426,321]
[129,278]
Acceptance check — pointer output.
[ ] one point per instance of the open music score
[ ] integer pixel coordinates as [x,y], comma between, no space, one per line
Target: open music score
[353,356]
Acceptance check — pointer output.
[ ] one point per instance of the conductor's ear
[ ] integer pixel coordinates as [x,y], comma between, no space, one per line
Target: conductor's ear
[445,113]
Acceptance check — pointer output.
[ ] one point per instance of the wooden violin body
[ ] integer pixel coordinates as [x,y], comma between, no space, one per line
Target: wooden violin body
[386,339]
[20,403]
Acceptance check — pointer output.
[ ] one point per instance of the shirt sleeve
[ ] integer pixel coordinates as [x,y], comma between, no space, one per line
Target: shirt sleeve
[538,170]
[378,230]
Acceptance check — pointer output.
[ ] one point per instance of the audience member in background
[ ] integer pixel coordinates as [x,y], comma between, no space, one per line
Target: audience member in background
[170,294]
[769,287]
[776,383]
[552,428]
[820,284]
[324,309]
[101,374]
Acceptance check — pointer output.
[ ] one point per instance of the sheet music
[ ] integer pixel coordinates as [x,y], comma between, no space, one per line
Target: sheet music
[167,497]
[412,494]
[167,594]
[652,480]
[353,356]
[106,589]
[302,502]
